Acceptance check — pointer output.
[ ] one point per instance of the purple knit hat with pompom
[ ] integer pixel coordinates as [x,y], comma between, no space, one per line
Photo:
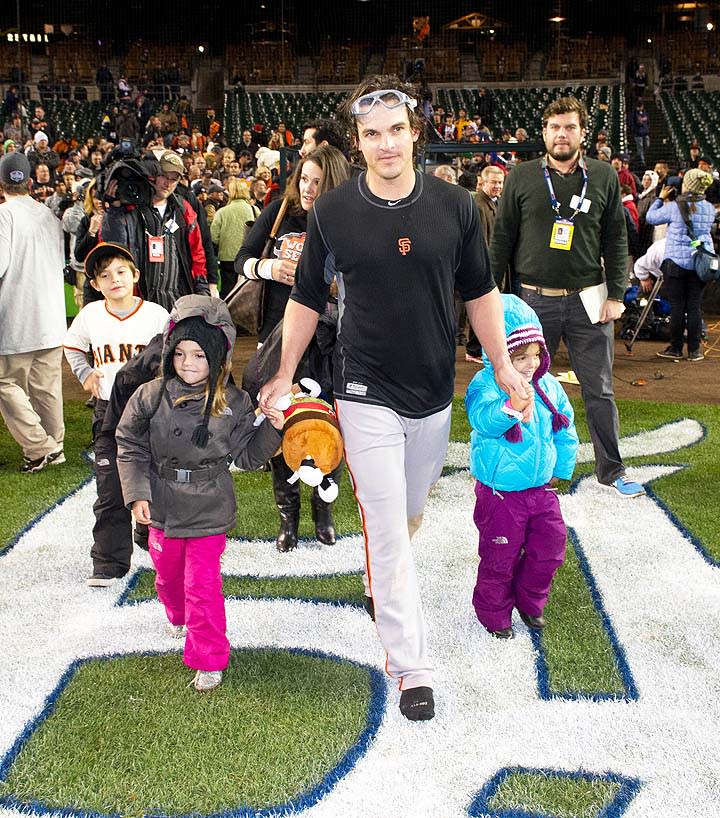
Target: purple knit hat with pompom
[521,337]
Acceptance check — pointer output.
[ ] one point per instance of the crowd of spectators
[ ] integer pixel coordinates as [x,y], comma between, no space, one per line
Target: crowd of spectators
[156,117]
[210,175]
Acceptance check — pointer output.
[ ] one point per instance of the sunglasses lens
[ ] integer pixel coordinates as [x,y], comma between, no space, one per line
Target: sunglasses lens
[365,104]
[390,99]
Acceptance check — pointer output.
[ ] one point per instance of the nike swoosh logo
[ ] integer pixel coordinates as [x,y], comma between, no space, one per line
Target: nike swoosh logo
[392,204]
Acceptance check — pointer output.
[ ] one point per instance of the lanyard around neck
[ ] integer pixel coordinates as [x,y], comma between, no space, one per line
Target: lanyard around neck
[555,204]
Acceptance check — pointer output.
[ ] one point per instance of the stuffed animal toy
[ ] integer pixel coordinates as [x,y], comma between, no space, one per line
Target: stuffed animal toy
[312,444]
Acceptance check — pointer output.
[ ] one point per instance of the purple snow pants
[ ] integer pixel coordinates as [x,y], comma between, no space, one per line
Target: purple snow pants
[521,546]
[189,585]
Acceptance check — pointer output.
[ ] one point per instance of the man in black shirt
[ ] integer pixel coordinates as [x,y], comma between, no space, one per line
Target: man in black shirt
[399,243]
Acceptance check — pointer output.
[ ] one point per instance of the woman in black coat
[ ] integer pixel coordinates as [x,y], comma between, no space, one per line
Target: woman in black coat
[319,171]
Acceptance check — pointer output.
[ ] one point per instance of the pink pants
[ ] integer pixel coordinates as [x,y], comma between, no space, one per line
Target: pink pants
[189,585]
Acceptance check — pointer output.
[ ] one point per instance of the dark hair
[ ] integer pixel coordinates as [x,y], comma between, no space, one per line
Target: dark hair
[468,180]
[566,105]
[17,189]
[379,83]
[104,262]
[335,170]
[327,130]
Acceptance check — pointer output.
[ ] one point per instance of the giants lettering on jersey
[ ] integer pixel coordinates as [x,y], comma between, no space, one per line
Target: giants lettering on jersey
[118,353]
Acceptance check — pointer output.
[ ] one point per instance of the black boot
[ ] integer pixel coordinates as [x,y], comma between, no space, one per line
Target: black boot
[323,519]
[322,511]
[287,498]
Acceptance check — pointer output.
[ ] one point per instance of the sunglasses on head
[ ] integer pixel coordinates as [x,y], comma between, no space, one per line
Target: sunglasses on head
[389,98]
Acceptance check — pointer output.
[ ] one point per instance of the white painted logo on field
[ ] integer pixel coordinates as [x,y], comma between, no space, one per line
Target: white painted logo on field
[660,593]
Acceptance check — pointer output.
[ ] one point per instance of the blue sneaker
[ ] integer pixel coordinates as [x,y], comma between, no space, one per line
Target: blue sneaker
[627,487]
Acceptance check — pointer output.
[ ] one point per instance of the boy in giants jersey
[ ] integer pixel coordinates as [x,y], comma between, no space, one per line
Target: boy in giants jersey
[113,331]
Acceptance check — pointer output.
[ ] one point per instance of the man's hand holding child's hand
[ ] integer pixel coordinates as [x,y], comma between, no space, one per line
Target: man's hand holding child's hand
[522,403]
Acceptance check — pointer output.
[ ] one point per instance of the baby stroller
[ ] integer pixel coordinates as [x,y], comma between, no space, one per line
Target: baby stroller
[646,316]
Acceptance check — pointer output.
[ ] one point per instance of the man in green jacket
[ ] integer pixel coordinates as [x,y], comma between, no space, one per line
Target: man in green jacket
[560,223]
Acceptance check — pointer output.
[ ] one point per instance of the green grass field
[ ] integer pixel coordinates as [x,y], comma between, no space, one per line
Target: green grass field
[299,713]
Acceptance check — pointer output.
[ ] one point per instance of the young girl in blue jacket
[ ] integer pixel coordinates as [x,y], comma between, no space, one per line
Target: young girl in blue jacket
[516,464]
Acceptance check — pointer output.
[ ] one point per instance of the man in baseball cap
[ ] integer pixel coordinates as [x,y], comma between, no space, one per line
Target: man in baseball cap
[170,162]
[621,163]
[166,240]
[32,317]
[14,169]
[171,172]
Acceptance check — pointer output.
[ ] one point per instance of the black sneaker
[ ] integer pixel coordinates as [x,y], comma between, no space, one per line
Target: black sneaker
[503,633]
[417,703]
[696,356]
[671,354]
[52,459]
[98,580]
[535,623]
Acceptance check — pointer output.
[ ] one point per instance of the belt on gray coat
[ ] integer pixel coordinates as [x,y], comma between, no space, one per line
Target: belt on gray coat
[193,475]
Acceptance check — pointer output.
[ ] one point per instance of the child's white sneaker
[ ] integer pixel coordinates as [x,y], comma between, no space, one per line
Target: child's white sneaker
[206,680]
[176,631]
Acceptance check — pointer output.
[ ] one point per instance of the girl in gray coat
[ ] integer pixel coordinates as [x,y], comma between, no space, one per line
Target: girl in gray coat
[176,440]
